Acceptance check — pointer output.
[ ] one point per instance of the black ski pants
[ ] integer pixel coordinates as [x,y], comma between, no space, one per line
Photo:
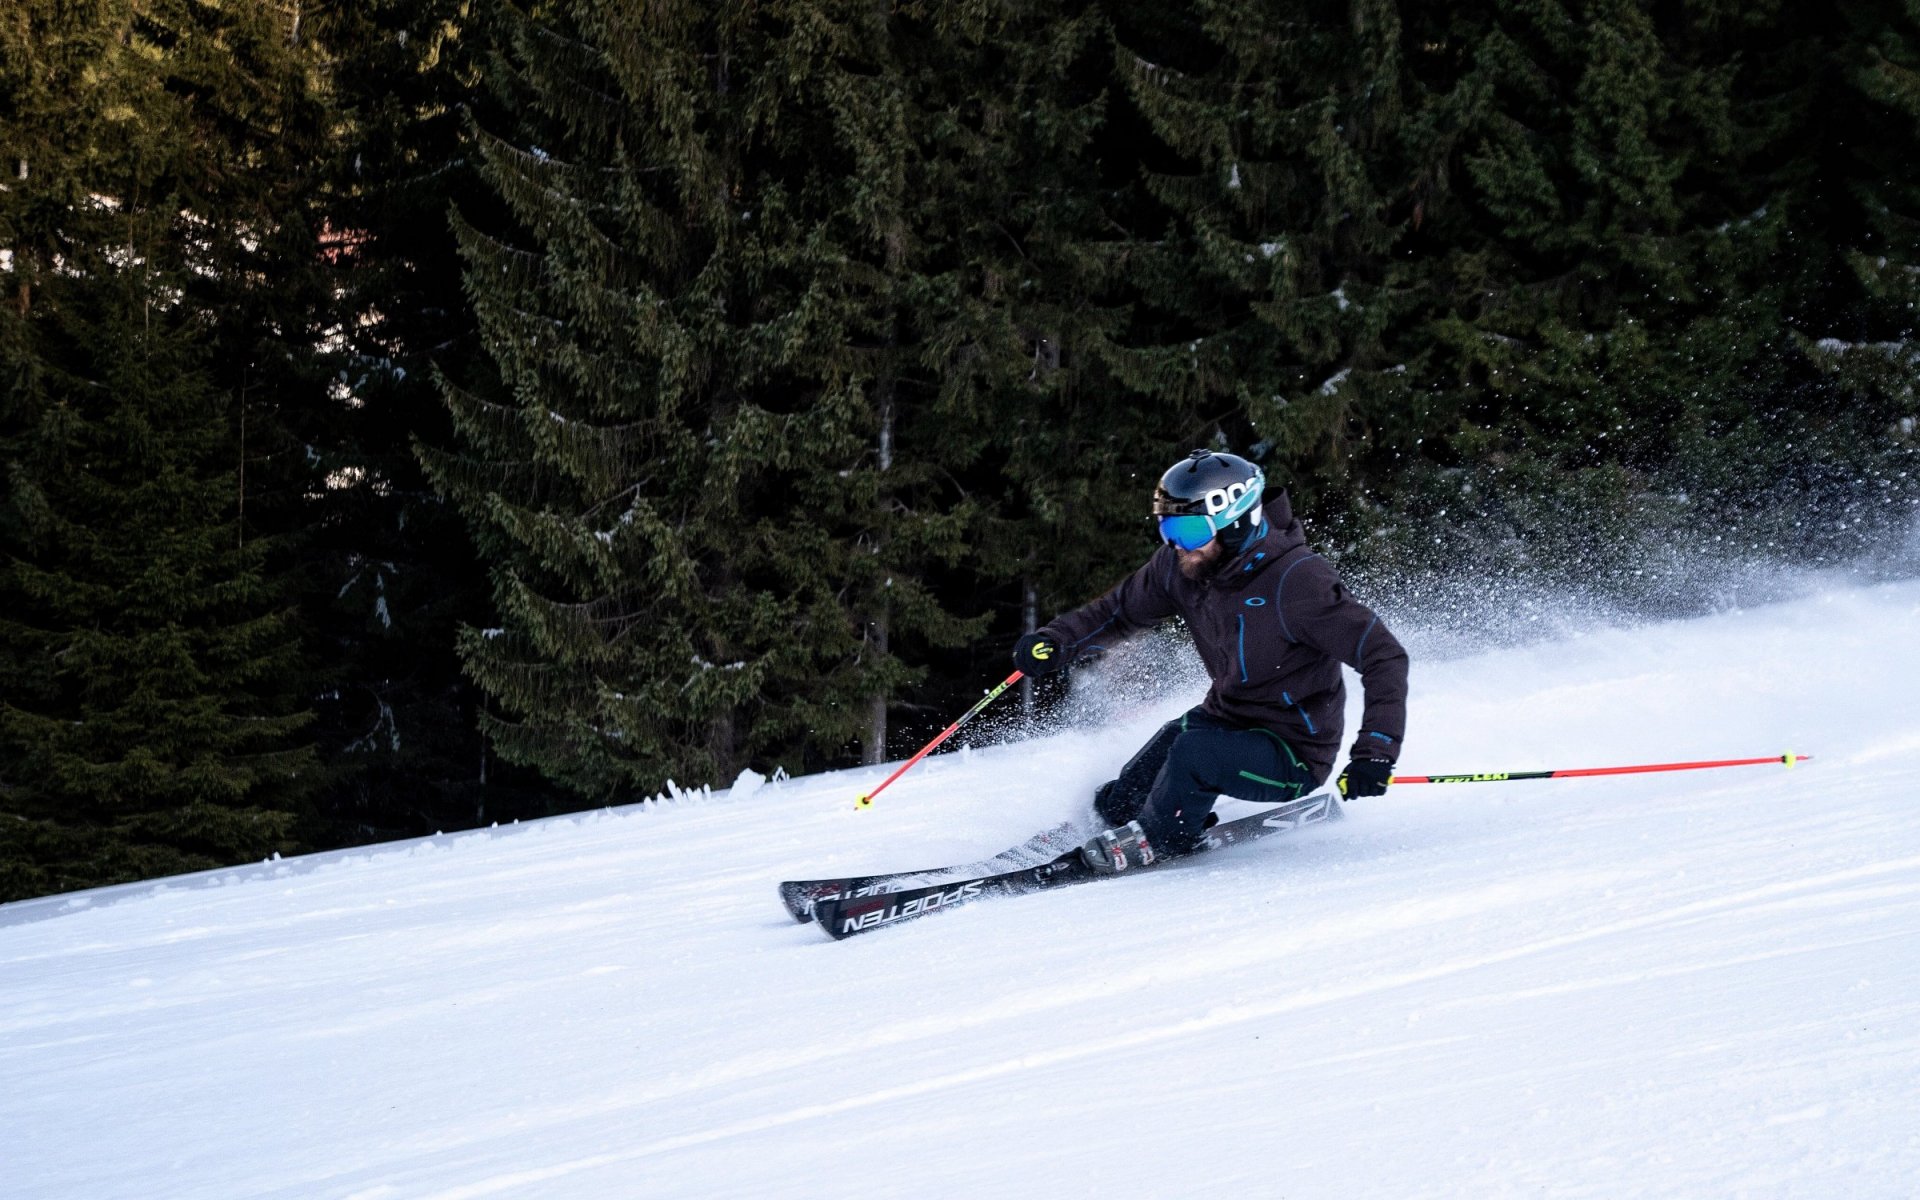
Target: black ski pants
[1171,784]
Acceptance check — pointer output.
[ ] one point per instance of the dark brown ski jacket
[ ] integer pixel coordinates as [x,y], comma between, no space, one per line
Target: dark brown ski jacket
[1272,626]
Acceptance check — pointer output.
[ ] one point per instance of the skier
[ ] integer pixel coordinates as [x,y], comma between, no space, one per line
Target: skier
[1272,623]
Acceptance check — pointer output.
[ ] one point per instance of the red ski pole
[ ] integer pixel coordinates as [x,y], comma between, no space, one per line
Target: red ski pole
[866,801]
[1504,776]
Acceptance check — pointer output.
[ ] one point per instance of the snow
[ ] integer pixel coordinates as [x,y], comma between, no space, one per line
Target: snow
[1700,984]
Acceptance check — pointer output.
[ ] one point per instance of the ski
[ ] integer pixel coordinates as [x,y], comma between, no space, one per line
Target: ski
[843,916]
[800,895]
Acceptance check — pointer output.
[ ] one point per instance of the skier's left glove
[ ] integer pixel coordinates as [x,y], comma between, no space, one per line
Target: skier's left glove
[1038,654]
[1366,777]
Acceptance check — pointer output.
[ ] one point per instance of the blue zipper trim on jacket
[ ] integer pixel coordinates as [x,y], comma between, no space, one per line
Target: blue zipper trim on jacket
[1243,647]
[1299,708]
[1361,649]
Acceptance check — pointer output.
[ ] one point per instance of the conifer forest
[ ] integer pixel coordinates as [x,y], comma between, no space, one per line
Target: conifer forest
[419,414]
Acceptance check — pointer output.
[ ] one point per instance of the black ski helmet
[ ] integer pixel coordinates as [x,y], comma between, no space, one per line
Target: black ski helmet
[1223,489]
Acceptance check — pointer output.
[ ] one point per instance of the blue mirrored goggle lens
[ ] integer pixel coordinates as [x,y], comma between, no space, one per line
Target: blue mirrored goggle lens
[1188,532]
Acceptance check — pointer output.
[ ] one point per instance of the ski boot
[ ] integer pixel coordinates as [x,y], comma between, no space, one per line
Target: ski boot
[1114,850]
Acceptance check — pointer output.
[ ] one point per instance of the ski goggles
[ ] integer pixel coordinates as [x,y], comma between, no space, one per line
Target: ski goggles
[1187,531]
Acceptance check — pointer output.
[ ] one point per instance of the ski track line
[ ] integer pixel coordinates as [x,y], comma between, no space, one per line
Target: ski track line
[1211,1021]
[1698,967]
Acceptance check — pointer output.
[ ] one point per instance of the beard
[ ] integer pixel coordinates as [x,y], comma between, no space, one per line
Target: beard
[1203,564]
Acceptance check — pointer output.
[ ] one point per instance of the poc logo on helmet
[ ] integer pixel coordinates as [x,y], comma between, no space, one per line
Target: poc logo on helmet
[1232,496]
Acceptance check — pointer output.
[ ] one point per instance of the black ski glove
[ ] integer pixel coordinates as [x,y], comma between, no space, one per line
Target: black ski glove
[1038,654]
[1365,777]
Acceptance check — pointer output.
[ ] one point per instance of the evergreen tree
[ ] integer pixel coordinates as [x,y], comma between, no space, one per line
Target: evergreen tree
[1585,252]
[1272,308]
[1842,88]
[690,471]
[1639,213]
[146,648]
[389,571]
[1012,293]
[1589,227]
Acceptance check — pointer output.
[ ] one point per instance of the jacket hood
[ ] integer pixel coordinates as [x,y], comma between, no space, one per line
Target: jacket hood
[1280,519]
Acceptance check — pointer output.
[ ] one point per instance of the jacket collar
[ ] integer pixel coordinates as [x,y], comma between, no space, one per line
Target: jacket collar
[1278,537]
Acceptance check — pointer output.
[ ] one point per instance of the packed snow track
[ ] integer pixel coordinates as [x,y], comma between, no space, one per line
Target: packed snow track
[1703,984]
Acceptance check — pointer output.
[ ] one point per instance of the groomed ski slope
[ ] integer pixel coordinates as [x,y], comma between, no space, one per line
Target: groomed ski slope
[1700,985]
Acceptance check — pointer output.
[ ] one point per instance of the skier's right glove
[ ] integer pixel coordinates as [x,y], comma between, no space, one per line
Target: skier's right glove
[1038,654]
[1366,777]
